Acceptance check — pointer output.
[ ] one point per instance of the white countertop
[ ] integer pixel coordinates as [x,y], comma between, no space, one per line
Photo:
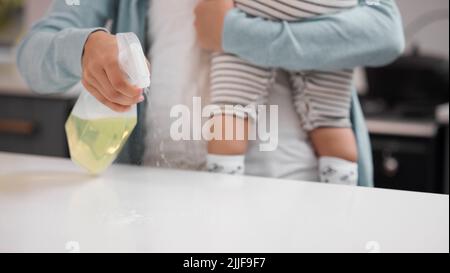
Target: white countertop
[49,205]
[11,83]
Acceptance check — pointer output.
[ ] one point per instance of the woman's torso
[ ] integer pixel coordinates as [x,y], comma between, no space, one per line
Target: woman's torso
[180,72]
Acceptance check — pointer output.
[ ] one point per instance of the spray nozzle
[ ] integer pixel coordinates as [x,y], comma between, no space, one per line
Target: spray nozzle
[132,60]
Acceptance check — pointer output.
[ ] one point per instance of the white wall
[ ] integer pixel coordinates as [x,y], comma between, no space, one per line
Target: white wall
[434,38]
[35,9]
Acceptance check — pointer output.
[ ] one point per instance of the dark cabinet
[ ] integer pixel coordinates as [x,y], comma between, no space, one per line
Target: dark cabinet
[34,125]
[410,162]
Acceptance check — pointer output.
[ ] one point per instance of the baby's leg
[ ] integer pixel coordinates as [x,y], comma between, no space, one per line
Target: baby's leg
[323,101]
[338,155]
[234,82]
[335,142]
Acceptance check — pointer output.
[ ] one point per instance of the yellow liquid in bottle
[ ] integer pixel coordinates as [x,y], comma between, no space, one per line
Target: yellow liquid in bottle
[95,144]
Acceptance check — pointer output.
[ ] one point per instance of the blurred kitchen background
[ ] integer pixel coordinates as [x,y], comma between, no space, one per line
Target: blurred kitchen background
[406,103]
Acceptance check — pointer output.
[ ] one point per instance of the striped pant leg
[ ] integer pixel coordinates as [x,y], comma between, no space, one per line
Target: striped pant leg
[323,99]
[293,10]
[235,82]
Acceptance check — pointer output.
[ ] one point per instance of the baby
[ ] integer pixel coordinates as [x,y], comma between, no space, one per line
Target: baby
[322,99]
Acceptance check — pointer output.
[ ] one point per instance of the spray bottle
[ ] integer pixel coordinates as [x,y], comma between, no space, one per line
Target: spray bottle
[95,133]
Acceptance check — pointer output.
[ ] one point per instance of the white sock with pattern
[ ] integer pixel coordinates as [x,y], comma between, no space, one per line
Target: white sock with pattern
[335,170]
[226,164]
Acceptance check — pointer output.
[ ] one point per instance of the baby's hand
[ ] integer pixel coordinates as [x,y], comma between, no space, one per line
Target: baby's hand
[209,22]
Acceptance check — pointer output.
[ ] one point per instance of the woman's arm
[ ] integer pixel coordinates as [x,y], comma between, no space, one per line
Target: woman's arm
[49,57]
[368,35]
